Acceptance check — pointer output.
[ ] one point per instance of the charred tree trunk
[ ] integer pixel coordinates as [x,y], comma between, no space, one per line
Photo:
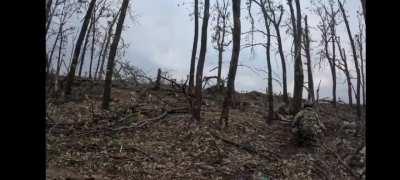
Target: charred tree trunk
[200,64]
[219,79]
[100,55]
[58,68]
[50,14]
[298,65]
[353,48]
[93,40]
[84,51]
[283,62]
[346,72]
[333,60]
[360,48]
[71,73]
[234,62]
[307,41]
[158,80]
[109,35]
[276,22]
[111,57]
[364,10]
[194,48]
[270,98]
[52,50]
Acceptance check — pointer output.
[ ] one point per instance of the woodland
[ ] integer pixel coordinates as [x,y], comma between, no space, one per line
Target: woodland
[107,118]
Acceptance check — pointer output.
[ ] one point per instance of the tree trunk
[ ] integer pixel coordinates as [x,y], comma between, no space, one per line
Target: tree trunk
[219,79]
[100,55]
[283,62]
[50,15]
[111,57]
[346,73]
[233,64]
[360,48]
[194,48]
[311,96]
[200,64]
[58,61]
[298,65]
[101,71]
[158,80]
[269,92]
[71,73]
[364,11]
[52,51]
[84,50]
[333,60]
[353,48]
[93,40]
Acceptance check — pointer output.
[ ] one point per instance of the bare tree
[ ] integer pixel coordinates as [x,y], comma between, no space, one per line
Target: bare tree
[234,63]
[71,73]
[332,61]
[359,39]
[353,48]
[327,27]
[344,67]
[107,45]
[194,49]
[111,57]
[84,49]
[276,21]
[58,68]
[220,35]
[311,96]
[200,65]
[298,66]
[267,22]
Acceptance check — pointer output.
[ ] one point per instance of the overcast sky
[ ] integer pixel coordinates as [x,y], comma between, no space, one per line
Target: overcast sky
[162,37]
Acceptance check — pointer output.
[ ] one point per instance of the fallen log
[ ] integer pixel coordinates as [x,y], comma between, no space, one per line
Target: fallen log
[246,147]
[143,123]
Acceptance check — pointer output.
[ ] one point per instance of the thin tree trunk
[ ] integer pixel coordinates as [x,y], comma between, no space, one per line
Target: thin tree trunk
[233,64]
[50,16]
[84,51]
[111,57]
[298,67]
[364,10]
[333,60]
[71,73]
[346,73]
[283,62]
[58,64]
[93,41]
[353,48]
[311,96]
[219,79]
[52,51]
[269,92]
[101,72]
[194,48]
[360,48]
[200,64]
[100,55]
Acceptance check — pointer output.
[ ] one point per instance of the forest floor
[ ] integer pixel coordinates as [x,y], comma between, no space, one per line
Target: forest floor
[146,135]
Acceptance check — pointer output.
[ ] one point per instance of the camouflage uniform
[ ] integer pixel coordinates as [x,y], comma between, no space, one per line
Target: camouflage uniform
[307,127]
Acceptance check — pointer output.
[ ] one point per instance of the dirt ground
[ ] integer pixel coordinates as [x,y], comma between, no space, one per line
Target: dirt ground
[146,135]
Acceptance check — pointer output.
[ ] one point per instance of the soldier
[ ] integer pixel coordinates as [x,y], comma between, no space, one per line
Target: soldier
[307,127]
